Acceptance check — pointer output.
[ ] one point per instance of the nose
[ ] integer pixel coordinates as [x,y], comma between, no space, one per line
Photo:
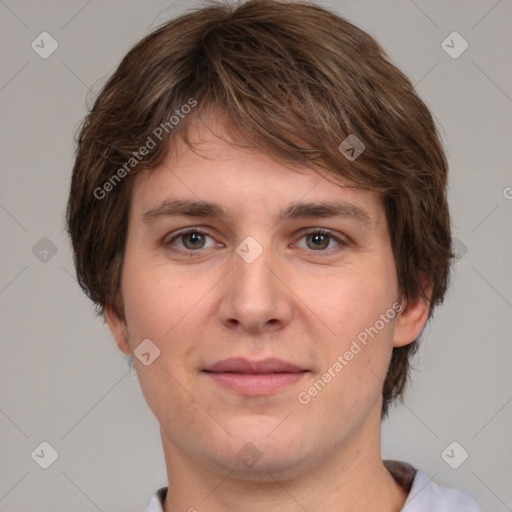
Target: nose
[255,297]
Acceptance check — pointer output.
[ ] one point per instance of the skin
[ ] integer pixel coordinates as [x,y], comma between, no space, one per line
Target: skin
[296,302]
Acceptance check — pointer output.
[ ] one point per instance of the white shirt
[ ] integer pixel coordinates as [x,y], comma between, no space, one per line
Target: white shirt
[424,495]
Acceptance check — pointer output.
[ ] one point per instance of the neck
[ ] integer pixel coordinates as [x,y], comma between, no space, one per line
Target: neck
[352,478]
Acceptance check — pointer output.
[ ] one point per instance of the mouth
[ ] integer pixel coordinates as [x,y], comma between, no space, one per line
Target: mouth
[255,378]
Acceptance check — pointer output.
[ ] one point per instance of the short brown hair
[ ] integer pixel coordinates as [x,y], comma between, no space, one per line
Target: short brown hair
[295,79]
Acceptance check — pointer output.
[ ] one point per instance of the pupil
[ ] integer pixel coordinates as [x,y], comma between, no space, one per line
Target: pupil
[319,237]
[194,238]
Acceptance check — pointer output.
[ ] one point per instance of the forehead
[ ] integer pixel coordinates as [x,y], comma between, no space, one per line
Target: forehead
[244,181]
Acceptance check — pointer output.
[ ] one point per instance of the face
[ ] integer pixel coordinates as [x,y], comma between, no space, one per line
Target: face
[274,321]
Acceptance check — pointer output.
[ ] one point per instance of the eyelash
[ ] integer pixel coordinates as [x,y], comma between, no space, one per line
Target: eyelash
[311,231]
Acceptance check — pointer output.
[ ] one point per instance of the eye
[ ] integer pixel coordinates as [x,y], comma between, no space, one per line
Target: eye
[192,240]
[319,239]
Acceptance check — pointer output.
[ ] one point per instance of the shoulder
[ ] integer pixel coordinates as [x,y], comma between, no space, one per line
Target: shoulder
[423,495]
[427,496]
[157,500]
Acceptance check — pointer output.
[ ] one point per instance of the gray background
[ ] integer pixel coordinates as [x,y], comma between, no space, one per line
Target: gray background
[63,380]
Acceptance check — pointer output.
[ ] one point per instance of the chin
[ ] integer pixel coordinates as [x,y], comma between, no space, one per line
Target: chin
[257,456]
[269,468]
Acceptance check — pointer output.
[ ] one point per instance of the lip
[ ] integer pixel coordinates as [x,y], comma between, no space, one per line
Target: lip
[241,365]
[255,377]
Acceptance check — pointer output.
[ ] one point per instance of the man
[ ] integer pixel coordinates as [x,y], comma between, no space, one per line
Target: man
[258,209]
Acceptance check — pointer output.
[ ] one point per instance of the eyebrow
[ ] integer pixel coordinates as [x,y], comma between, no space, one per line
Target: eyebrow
[295,210]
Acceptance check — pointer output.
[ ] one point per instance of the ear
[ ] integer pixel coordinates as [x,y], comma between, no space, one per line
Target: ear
[118,329]
[412,318]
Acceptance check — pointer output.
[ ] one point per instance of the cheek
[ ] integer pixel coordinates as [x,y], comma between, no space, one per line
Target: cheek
[162,307]
[348,303]
[351,306]
[158,298]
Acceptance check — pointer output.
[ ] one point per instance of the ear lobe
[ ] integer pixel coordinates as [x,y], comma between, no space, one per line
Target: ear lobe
[412,319]
[118,329]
